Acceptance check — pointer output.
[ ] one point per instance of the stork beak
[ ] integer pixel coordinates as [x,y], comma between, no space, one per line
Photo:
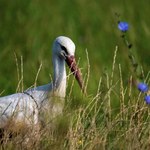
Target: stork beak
[71,62]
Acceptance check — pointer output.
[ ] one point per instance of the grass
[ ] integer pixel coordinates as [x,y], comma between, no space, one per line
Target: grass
[116,117]
[113,115]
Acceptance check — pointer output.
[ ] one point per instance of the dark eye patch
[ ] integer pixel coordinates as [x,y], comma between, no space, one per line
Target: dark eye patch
[64,48]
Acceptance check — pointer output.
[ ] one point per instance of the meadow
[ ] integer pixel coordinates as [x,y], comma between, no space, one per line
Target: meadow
[113,115]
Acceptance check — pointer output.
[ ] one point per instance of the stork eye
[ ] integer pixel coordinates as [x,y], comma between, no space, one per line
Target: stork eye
[64,48]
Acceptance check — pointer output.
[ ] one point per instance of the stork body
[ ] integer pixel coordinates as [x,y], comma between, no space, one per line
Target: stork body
[26,106]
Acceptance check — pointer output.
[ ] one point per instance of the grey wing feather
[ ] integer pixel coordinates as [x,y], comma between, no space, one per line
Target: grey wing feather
[19,106]
[23,106]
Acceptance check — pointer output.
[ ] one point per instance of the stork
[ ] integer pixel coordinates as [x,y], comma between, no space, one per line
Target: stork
[26,106]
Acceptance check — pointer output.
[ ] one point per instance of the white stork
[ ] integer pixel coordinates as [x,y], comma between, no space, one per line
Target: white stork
[26,107]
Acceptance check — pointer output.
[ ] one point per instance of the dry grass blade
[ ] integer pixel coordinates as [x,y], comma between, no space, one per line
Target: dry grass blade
[113,65]
[36,78]
[88,73]
[20,79]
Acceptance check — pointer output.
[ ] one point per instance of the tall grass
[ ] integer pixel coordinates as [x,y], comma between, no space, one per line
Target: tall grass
[116,117]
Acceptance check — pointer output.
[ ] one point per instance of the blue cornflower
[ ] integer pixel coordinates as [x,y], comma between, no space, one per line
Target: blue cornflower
[123,26]
[142,87]
[147,99]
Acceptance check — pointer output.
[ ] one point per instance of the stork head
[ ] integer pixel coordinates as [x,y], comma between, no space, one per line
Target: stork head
[64,48]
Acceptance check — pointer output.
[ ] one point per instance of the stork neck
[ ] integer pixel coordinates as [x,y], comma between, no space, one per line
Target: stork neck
[59,81]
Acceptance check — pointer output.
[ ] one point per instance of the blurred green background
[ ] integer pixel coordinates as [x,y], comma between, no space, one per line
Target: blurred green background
[28,28]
